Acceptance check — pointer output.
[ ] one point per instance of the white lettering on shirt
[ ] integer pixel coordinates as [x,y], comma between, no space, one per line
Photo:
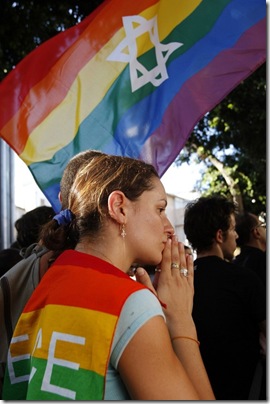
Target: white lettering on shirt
[52,360]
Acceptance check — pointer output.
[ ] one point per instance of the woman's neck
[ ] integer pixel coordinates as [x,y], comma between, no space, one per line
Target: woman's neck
[96,252]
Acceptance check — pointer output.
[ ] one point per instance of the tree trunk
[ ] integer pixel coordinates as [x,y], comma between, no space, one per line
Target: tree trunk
[232,185]
[224,171]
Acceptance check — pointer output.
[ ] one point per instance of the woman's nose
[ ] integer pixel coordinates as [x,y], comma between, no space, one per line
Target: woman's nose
[169,229]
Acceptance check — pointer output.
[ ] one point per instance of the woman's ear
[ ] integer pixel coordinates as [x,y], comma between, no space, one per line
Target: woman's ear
[117,206]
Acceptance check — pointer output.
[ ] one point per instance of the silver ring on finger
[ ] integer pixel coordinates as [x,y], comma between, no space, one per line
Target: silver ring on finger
[174,265]
[184,271]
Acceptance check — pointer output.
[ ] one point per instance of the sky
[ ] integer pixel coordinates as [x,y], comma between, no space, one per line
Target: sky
[180,181]
[27,194]
[177,181]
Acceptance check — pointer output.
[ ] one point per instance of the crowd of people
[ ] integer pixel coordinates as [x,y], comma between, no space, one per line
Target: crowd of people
[229,307]
[27,229]
[119,310]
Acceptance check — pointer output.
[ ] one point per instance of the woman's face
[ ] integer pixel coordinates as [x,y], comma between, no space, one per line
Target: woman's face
[148,227]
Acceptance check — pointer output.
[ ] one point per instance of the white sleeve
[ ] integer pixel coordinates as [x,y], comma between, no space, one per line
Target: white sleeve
[137,310]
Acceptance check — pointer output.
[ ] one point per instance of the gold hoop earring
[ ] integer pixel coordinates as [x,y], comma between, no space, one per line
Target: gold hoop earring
[123,231]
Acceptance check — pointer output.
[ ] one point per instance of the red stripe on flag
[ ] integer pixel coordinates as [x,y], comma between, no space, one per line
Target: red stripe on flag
[100,26]
[74,286]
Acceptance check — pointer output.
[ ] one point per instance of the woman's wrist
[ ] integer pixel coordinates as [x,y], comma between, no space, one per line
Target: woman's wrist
[182,327]
[185,337]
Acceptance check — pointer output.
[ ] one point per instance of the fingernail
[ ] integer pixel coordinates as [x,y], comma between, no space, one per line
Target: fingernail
[140,271]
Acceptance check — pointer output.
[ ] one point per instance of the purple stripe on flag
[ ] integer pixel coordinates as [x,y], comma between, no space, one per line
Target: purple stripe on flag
[201,93]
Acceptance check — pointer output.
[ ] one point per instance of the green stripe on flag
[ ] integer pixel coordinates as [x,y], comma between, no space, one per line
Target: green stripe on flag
[62,383]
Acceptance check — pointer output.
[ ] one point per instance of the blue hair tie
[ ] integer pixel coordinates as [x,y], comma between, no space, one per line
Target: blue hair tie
[64,217]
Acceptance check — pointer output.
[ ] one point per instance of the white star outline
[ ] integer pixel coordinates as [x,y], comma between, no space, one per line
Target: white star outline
[139,76]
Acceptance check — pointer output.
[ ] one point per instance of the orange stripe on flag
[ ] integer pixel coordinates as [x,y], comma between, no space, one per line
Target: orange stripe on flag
[49,92]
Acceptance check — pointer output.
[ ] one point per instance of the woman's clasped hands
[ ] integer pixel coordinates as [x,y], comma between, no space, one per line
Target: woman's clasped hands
[173,284]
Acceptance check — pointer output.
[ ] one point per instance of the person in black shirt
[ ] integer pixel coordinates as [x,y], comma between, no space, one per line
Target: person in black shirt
[229,306]
[252,242]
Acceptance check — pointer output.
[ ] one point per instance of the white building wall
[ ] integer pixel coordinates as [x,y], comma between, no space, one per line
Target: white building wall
[175,212]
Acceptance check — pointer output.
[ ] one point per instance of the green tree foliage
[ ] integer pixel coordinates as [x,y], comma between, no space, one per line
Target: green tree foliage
[25,24]
[230,139]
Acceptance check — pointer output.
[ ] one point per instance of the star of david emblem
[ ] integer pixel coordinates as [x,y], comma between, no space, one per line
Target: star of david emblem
[127,52]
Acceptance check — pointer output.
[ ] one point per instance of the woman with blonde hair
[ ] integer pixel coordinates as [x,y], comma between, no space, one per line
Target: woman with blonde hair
[89,331]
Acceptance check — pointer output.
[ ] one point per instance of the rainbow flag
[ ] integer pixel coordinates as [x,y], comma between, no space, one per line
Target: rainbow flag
[62,342]
[133,79]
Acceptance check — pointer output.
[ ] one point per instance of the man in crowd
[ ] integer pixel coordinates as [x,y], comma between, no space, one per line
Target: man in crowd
[229,301]
[252,242]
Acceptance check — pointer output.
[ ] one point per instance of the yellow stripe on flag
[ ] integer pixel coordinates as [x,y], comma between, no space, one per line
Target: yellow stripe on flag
[80,327]
[93,82]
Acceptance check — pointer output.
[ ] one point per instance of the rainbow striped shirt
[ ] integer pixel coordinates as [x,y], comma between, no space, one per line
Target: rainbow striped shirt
[61,346]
